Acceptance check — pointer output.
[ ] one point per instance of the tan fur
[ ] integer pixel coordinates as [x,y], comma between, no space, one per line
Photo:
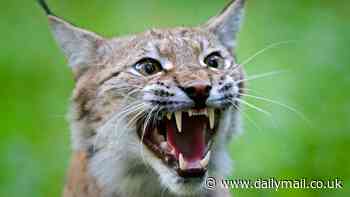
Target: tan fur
[81,184]
[79,181]
[109,96]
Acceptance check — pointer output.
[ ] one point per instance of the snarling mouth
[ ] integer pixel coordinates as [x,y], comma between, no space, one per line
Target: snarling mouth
[183,139]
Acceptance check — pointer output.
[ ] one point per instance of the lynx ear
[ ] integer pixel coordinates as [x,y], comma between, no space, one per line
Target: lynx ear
[81,47]
[227,24]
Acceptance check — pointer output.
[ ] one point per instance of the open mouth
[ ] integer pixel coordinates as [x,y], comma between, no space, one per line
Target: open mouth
[182,139]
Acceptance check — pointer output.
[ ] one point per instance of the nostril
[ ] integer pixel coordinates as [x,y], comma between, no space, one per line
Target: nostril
[199,94]
[190,91]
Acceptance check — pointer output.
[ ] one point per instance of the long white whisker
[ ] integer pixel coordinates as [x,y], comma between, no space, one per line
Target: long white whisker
[258,76]
[141,111]
[149,116]
[135,118]
[271,46]
[245,115]
[130,109]
[253,106]
[251,90]
[117,117]
[129,95]
[301,115]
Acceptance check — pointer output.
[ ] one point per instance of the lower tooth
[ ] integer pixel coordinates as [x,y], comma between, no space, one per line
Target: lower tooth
[164,145]
[189,113]
[211,114]
[205,161]
[182,162]
[168,115]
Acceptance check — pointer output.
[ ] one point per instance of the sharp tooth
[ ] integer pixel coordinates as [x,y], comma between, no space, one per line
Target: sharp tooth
[190,113]
[168,115]
[182,162]
[211,114]
[204,162]
[178,119]
[164,145]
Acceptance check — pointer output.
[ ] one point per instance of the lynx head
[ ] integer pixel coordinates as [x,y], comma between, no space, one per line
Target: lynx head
[158,105]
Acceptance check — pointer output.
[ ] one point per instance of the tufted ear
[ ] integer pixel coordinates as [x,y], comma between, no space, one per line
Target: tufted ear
[82,48]
[227,24]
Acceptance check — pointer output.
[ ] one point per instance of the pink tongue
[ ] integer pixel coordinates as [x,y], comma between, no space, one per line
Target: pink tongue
[191,141]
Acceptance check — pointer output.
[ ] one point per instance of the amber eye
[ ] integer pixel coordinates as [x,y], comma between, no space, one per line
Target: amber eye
[148,66]
[214,60]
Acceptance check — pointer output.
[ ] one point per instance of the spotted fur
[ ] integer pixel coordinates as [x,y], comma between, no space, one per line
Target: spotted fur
[109,98]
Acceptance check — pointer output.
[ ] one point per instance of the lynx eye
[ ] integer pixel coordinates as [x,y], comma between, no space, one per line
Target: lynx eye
[148,66]
[214,60]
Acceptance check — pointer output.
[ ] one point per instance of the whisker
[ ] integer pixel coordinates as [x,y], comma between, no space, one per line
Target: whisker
[148,117]
[301,115]
[125,111]
[134,118]
[250,90]
[130,110]
[245,115]
[253,106]
[258,76]
[271,46]
[129,95]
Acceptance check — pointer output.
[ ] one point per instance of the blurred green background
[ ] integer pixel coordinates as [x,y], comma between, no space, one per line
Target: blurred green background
[36,85]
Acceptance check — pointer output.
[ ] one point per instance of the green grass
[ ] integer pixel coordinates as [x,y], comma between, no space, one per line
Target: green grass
[36,86]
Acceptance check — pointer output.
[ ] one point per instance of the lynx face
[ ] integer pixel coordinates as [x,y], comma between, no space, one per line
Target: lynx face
[180,87]
[160,104]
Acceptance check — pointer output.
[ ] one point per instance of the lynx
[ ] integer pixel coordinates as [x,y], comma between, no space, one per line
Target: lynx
[152,112]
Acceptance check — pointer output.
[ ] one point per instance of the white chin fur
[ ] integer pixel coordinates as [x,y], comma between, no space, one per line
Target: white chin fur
[119,165]
[173,182]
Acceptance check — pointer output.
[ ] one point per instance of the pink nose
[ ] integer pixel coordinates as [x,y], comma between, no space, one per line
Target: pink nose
[199,94]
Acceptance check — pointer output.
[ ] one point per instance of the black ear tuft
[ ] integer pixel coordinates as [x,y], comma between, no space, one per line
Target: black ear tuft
[44,5]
